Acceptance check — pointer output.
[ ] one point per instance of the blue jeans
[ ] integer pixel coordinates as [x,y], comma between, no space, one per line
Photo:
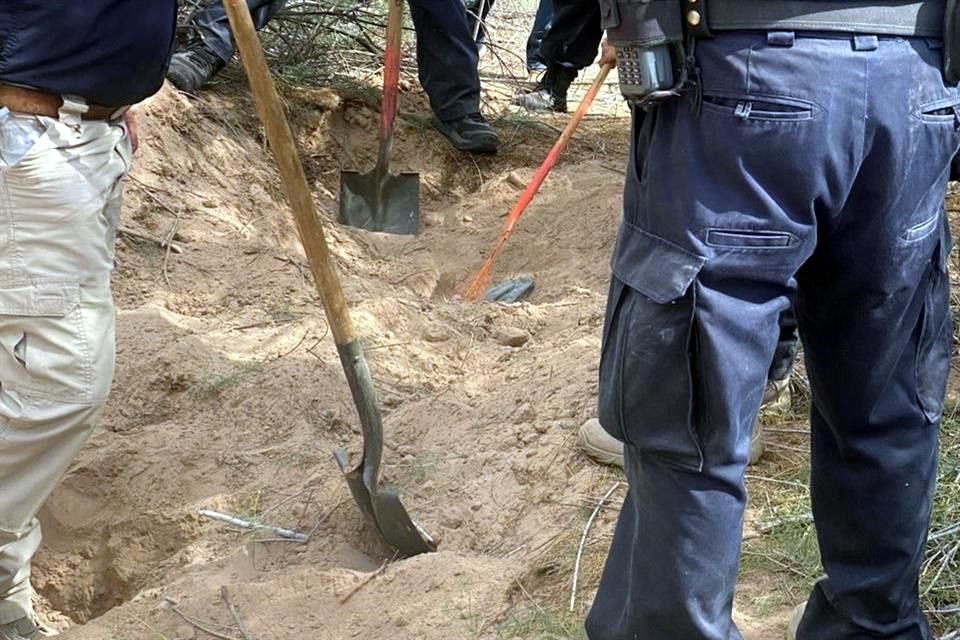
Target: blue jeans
[446,53]
[541,24]
[781,187]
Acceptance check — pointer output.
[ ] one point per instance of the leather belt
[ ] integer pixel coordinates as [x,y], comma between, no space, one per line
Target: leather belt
[41,103]
[923,18]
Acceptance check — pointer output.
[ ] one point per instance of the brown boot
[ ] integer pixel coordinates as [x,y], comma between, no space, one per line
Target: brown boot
[600,445]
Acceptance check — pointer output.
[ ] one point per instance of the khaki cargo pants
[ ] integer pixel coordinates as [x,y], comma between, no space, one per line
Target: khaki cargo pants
[60,196]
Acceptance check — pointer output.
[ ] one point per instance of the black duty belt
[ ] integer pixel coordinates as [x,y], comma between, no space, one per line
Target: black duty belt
[918,18]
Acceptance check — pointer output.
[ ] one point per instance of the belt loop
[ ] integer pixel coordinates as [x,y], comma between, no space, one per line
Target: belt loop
[866,43]
[781,38]
[72,110]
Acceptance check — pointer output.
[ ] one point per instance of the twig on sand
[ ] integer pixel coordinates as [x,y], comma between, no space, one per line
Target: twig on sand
[168,245]
[174,248]
[583,541]
[326,517]
[287,534]
[786,483]
[225,595]
[151,192]
[196,624]
[367,579]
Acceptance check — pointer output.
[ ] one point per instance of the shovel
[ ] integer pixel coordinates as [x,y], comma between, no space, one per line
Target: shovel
[382,507]
[378,200]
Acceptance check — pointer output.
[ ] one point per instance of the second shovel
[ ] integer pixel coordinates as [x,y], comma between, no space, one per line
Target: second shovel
[378,200]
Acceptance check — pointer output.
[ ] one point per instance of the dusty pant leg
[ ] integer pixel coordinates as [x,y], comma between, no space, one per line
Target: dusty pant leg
[60,201]
[874,316]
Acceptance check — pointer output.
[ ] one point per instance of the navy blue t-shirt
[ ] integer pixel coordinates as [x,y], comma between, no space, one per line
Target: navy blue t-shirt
[109,52]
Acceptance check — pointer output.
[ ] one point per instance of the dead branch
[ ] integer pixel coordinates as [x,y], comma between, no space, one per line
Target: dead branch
[364,582]
[225,595]
[196,624]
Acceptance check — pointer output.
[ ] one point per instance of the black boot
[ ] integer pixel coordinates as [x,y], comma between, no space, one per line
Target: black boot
[550,94]
[193,67]
[470,133]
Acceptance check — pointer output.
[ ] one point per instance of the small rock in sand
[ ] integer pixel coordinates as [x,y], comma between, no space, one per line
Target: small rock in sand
[436,333]
[512,337]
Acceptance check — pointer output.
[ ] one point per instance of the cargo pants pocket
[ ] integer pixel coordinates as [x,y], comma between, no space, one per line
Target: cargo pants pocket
[646,392]
[50,343]
[936,334]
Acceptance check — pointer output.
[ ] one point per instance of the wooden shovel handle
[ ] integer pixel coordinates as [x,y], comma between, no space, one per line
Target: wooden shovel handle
[295,185]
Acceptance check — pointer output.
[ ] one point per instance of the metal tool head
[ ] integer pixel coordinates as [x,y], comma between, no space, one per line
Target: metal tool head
[383,508]
[404,534]
[380,202]
[380,505]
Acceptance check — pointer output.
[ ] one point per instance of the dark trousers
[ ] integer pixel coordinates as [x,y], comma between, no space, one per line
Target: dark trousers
[573,39]
[215,28]
[446,57]
[787,345]
[541,24]
[780,186]
[477,13]
[446,53]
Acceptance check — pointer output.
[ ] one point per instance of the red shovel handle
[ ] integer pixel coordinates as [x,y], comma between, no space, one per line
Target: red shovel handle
[541,173]
[391,77]
[479,283]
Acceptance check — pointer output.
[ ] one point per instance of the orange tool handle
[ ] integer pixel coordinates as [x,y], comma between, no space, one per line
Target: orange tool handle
[391,78]
[541,173]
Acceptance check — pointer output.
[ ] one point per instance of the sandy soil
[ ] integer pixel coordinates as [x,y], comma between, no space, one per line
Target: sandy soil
[229,396]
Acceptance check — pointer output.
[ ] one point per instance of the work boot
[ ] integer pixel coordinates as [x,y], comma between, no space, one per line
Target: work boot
[193,67]
[776,398]
[26,628]
[795,619]
[600,445]
[470,133]
[550,94]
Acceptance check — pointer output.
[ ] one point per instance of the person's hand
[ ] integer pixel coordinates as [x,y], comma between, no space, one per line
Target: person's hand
[131,123]
[608,54]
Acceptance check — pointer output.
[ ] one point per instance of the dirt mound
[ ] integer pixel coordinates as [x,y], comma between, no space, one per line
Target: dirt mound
[229,396]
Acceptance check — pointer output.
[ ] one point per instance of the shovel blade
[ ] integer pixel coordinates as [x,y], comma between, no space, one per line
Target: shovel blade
[376,202]
[396,526]
[384,509]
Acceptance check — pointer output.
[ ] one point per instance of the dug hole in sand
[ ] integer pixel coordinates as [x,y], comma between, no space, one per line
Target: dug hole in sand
[229,394]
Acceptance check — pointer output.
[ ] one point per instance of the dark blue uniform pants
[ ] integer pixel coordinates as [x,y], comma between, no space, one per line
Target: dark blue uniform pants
[446,57]
[814,170]
[446,52]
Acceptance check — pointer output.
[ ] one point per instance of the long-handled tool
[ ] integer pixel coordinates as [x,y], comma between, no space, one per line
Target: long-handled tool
[481,281]
[382,506]
[378,200]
